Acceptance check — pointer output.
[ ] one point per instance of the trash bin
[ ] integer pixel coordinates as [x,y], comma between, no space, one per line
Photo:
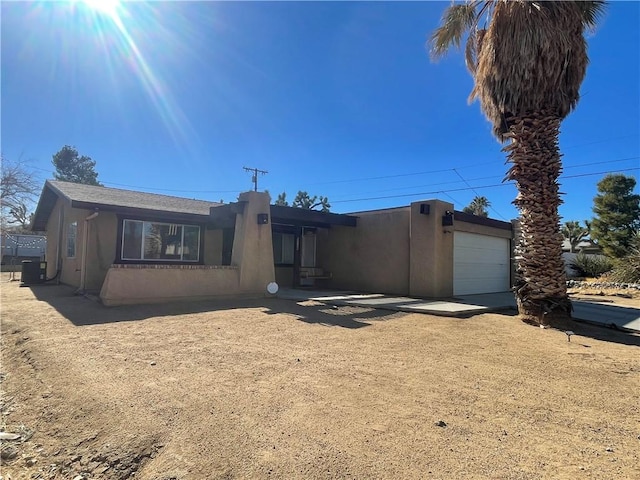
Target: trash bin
[33,273]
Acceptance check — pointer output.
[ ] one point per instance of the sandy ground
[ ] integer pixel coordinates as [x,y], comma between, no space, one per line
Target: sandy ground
[277,389]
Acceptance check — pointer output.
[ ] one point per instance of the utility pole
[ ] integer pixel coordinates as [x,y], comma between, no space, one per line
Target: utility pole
[254,176]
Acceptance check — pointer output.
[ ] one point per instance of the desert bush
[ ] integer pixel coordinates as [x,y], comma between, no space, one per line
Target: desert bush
[591,265]
[627,270]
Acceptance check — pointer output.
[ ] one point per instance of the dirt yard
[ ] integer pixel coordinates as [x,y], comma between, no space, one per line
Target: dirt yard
[282,390]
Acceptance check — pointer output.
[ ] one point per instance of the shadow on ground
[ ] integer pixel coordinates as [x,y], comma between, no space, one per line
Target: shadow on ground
[598,332]
[82,311]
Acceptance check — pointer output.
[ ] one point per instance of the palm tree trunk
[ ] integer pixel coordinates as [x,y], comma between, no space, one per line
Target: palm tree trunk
[541,287]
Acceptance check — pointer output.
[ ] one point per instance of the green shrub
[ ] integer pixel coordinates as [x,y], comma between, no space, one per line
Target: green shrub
[591,265]
[627,270]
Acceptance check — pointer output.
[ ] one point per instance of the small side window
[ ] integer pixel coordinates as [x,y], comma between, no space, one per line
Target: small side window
[72,233]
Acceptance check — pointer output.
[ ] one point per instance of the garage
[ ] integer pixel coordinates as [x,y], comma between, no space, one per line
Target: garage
[481,263]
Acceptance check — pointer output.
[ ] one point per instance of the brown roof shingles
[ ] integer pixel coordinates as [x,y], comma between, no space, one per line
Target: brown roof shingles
[114,199]
[128,198]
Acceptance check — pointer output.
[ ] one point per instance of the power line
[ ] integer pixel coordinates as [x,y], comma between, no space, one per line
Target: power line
[479,178]
[385,190]
[472,188]
[565,167]
[455,202]
[383,177]
[399,175]
[600,163]
[477,194]
[600,173]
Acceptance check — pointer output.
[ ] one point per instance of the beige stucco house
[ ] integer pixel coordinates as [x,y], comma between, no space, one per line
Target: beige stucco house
[136,247]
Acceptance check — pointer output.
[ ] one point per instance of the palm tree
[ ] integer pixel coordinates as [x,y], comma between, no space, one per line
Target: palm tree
[478,206]
[528,60]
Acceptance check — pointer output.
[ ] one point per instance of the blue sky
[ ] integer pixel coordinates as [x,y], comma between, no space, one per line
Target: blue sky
[335,98]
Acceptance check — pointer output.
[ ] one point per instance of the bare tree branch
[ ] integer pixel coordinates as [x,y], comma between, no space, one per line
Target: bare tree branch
[18,191]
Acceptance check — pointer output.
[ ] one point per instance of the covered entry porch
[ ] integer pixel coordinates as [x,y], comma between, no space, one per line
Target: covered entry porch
[298,255]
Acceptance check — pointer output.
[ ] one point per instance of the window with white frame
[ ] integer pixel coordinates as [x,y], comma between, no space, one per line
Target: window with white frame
[155,241]
[72,234]
[283,248]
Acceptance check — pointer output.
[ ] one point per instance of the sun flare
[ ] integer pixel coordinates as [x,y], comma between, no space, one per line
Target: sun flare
[105,7]
[121,32]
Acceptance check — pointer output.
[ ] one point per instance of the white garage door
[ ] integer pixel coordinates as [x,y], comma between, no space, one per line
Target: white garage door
[481,264]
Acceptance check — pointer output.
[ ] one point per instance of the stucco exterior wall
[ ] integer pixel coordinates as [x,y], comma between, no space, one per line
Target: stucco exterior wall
[252,267]
[101,251]
[53,240]
[405,251]
[63,215]
[132,284]
[431,254]
[374,256]
[101,239]
[253,244]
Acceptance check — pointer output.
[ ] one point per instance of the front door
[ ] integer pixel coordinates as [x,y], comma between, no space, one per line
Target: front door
[308,250]
[307,253]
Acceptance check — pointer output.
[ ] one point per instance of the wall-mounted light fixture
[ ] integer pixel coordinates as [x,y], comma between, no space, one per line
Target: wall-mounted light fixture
[263,218]
[447,219]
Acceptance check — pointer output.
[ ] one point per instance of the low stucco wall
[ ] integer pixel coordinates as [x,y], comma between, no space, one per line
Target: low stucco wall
[131,284]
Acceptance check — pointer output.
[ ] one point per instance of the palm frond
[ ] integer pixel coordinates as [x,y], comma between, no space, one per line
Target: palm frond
[456,21]
[473,48]
[592,12]
[471,51]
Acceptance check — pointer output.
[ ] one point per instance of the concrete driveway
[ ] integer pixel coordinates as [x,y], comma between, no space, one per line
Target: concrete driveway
[613,316]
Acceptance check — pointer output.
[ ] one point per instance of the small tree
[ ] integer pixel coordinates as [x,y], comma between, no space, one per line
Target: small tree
[303,200]
[617,211]
[18,190]
[282,200]
[574,233]
[71,167]
[478,206]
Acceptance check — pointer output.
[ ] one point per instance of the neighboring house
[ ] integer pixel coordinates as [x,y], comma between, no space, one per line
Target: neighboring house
[135,247]
[585,246]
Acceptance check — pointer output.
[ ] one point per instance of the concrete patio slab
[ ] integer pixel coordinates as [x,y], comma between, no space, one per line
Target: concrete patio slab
[461,307]
[613,316]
